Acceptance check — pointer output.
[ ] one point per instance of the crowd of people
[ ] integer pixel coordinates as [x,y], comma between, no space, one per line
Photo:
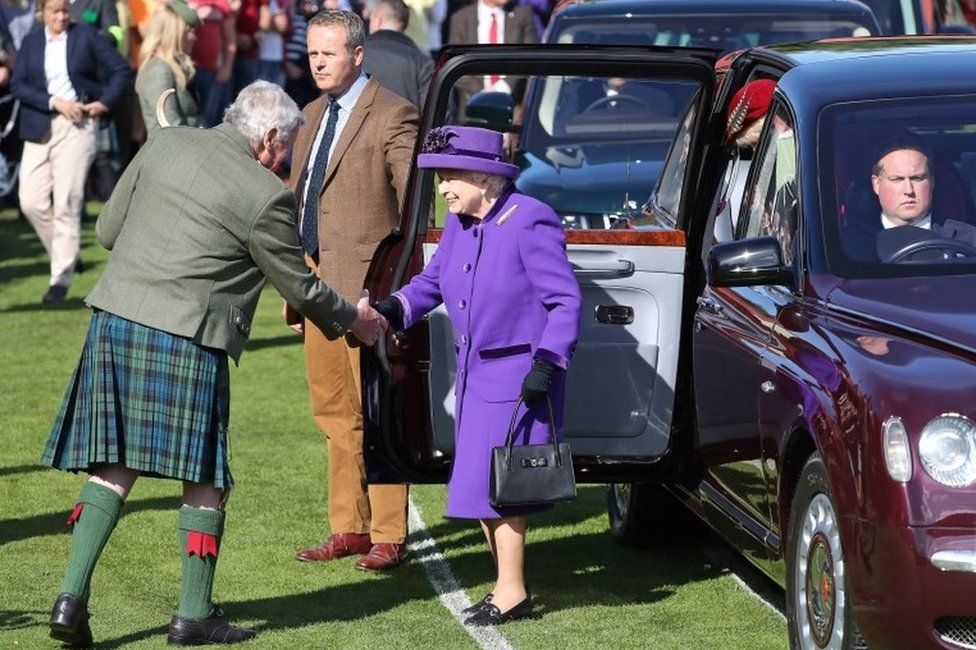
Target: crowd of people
[182,62]
[150,393]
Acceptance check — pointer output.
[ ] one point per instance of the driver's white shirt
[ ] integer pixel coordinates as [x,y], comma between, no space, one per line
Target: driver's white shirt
[924,222]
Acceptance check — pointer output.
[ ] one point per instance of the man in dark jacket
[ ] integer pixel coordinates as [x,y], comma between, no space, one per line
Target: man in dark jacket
[392,58]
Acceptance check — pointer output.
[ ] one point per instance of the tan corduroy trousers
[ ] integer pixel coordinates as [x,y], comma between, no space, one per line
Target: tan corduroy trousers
[52,190]
[354,506]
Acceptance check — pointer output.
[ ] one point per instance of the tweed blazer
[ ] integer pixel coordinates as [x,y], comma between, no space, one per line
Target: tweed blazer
[360,200]
[180,105]
[195,226]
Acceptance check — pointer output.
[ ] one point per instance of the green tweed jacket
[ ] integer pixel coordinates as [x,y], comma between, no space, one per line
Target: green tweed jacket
[195,226]
[178,108]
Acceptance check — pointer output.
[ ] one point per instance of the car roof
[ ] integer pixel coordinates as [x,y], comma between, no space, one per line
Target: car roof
[637,8]
[864,68]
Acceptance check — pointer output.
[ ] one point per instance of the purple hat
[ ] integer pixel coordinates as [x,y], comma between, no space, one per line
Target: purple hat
[465,147]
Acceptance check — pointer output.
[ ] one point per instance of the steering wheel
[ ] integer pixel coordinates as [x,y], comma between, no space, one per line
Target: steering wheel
[603,101]
[928,244]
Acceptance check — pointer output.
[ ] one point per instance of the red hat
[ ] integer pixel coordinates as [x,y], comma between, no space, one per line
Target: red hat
[749,103]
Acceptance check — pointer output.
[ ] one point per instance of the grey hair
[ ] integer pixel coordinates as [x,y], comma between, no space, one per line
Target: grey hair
[353,24]
[260,107]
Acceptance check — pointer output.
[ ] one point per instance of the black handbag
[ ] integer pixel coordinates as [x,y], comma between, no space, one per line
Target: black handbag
[531,474]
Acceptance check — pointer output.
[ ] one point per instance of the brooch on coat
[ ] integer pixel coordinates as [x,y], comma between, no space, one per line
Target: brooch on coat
[502,219]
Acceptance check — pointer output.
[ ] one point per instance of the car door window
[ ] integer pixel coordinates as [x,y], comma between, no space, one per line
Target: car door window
[590,146]
[770,206]
[667,199]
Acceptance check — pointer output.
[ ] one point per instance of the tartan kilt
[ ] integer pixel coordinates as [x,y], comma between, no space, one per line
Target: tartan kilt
[157,403]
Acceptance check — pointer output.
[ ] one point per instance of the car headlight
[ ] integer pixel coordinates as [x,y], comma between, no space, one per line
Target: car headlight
[947,449]
[897,451]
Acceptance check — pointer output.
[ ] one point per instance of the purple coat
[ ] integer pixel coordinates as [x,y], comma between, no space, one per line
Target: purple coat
[511,296]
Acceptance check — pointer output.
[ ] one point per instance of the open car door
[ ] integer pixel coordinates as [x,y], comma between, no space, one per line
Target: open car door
[592,126]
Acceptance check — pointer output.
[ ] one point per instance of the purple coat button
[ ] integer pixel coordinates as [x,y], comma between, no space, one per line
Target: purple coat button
[464,339]
[467,267]
[462,304]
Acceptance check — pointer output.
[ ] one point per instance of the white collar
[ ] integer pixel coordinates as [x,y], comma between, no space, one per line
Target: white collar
[925,222]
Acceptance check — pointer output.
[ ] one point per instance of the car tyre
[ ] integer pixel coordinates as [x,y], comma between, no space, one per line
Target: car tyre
[819,611]
[644,513]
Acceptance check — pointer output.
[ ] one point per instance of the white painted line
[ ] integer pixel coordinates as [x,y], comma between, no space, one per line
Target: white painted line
[424,549]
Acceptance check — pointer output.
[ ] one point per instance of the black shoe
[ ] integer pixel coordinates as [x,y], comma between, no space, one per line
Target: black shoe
[213,629]
[491,615]
[55,295]
[478,605]
[69,622]
[79,265]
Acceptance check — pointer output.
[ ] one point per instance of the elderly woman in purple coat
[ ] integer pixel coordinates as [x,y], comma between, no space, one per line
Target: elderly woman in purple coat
[502,272]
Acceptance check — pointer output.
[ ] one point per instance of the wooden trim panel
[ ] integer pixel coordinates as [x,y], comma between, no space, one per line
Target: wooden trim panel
[618,237]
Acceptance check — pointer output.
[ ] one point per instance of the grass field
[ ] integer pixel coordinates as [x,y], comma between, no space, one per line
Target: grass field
[590,591]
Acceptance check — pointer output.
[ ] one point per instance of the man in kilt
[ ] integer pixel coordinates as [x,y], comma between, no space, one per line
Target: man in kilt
[196,225]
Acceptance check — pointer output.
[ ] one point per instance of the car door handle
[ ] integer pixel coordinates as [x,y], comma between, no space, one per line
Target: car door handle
[709,304]
[615,314]
[620,267]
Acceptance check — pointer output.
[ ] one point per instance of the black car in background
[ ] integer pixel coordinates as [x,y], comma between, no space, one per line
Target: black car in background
[598,154]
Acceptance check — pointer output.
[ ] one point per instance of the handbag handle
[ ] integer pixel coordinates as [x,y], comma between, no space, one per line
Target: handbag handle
[510,438]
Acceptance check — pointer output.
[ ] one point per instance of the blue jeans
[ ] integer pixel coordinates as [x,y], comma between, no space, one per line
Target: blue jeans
[273,71]
[214,97]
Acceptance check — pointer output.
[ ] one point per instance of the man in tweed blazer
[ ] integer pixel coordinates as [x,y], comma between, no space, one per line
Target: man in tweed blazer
[349,172]
[196,225]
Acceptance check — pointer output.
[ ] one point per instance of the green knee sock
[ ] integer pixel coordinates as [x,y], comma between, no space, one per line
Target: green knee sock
[101,508]
[198,562]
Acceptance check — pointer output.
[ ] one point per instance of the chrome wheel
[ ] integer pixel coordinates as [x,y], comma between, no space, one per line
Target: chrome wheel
[819,584]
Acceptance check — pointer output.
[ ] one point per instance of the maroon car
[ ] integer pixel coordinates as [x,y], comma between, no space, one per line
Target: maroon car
[796,372]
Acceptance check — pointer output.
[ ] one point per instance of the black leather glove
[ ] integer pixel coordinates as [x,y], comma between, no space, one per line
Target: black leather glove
[535,386]
[392,310]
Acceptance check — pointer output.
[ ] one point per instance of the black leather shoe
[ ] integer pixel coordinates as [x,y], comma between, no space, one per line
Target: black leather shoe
[478,605]
[69,622]
[54,295]
[489,614]
[213,629]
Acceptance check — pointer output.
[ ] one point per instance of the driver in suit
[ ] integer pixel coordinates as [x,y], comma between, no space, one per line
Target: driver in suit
[903,182]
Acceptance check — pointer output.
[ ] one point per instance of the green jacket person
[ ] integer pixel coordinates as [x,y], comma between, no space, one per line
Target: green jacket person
[195,225]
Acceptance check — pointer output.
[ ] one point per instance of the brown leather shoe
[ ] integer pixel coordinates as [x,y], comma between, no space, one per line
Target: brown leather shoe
[339,545]
[382,557]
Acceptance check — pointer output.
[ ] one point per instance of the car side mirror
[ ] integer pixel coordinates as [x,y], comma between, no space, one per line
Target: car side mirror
[491,110]
[748,263]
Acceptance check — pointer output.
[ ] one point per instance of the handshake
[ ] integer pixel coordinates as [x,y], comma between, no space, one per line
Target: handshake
[371,320]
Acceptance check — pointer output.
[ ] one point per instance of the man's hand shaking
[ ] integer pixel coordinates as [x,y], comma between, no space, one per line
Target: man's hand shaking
[369,324]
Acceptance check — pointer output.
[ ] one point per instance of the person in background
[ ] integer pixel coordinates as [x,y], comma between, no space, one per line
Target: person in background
[275,26]
[418,26]
[393,59]
[502,253]
[490,22]
[349,175]
[151,393]
[214,49]
[62,99]
[100,14]
[298,77]
[246,28]
[166,95]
